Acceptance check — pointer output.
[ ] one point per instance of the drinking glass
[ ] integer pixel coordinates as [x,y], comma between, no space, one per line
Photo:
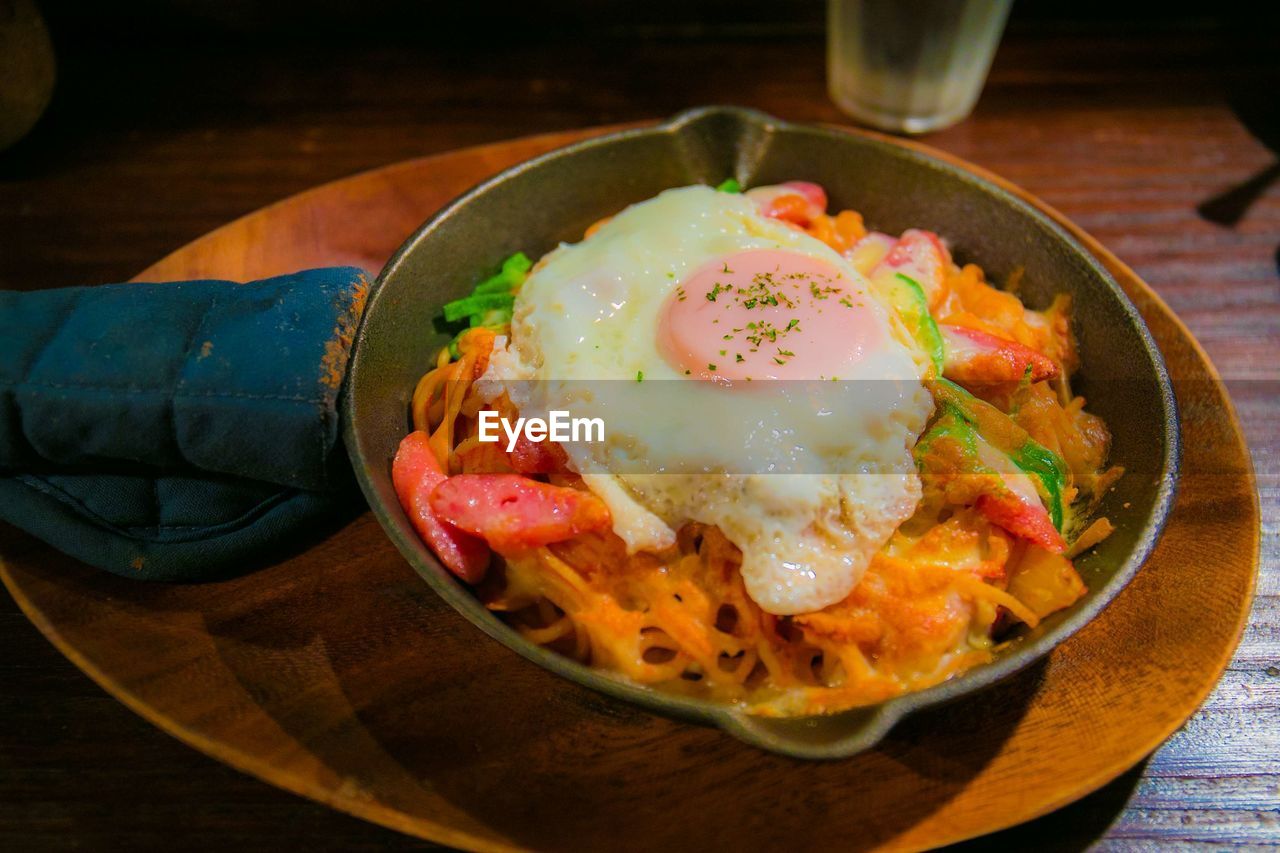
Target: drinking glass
[911,66]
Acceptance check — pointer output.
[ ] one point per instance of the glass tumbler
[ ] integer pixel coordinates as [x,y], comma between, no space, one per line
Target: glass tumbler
[911,66]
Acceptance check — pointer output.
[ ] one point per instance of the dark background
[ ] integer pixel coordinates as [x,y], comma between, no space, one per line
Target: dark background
[1155,127]
[169,118]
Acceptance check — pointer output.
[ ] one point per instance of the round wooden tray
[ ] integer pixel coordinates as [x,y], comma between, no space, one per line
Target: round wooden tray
[338,675]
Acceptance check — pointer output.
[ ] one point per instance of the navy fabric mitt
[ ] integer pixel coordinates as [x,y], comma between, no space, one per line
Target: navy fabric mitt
[181,431]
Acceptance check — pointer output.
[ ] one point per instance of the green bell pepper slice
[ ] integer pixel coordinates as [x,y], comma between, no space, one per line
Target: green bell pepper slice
[490,302]
[1046,468]
[912,305]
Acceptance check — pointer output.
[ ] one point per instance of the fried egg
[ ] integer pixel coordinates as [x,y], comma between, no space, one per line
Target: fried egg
[748,378]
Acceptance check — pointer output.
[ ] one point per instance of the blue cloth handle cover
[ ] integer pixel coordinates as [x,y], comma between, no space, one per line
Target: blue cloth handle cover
[177,431]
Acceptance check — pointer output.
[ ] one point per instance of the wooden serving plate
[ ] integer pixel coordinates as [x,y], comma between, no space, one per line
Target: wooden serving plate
[338,675]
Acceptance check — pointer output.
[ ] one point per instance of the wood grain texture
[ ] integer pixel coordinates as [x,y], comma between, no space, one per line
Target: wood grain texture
[1127,136]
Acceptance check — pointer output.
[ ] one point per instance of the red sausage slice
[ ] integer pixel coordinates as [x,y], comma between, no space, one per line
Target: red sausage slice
[512,512]
[416,473]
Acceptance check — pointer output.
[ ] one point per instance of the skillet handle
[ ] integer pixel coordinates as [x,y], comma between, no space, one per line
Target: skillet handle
[828,737]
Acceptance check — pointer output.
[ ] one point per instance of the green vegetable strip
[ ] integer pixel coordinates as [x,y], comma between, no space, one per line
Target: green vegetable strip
[729,186]
[513,273]
[490,302]
[952,425]
[1032,458]
[477,303]
[1047,467]
[497,284]
[516,267]
[926,329]
[491,319]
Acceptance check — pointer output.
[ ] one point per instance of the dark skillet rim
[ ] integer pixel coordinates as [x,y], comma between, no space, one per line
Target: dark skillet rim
[875,720]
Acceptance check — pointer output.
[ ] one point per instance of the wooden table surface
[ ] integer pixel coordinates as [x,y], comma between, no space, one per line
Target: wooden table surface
[1162,141]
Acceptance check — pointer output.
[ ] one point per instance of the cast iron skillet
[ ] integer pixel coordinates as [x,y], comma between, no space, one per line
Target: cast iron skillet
[535,205]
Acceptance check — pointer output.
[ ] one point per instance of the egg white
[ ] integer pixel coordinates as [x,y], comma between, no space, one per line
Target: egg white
[683,451]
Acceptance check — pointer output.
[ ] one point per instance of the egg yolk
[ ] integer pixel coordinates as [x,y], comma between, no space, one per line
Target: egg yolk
[767,314]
